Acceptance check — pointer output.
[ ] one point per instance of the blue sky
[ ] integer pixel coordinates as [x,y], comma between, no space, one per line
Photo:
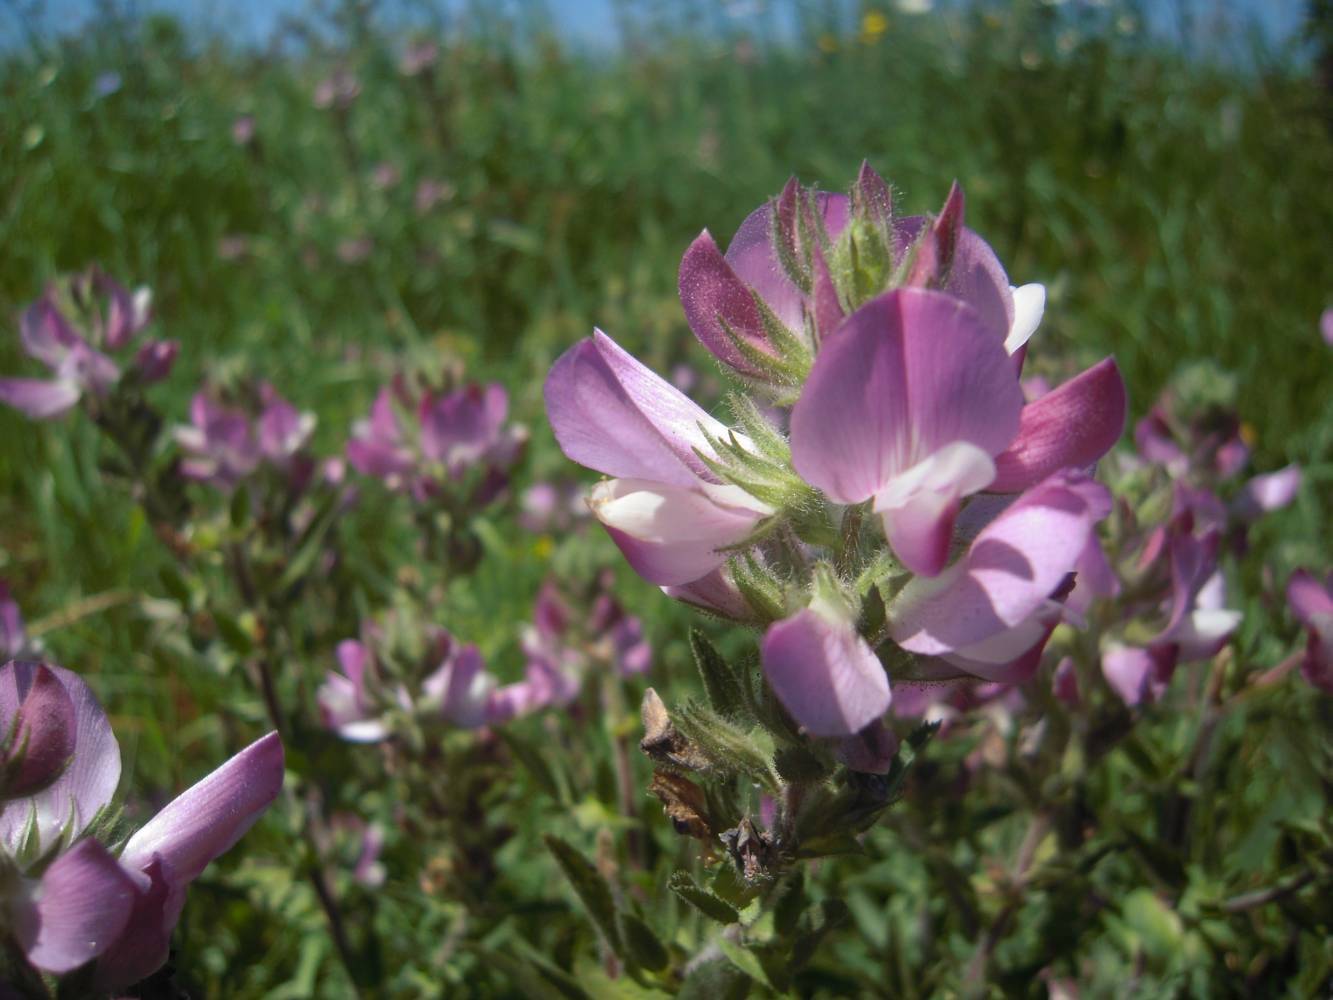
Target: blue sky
[584,21]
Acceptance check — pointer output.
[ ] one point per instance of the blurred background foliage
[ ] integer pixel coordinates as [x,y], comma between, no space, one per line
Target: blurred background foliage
[499,203]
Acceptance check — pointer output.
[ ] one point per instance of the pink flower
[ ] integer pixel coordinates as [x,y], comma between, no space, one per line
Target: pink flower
[87,904]
[448,438]
[77,359]
[665,509]
[823,672]
[990,612]
[1311,600]
[915,405]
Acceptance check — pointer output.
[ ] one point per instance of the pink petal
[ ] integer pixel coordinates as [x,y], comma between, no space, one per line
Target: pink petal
[1311,600]
[85,787]
[45,334]
[38,398]
[1014,565]
[976,276]
[13,636]
[155,359]
[671,536]
[754,259]
[871,751]
[1326,326]
[612,414]
[461,687]
[715,593]
[825,674]
[38,720]
[714,300]
[1070,427]
[207,818]
[908,373]
[1137,675]
[81,905]
[919,506]
[1011,656]
[143,946]
[1269,492]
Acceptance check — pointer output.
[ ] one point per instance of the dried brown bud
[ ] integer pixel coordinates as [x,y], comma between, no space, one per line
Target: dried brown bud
[662,741]
[751,851]
[683,802]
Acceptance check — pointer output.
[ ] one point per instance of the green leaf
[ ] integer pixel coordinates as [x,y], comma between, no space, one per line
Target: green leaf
[642,944]
[730,749]
[745,960]
[701,899]
[715,980]
[799,765]
[312,543]
[535,763]
[790,905]
[591,889]
[720,681]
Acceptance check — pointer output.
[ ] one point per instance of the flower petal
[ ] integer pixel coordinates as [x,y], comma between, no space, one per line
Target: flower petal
[825,674]
[907,373]
[1268,492]
[976,275]
[1029,305]
[38,721]
[1070,427]
[38,398]
[81,905]
[144,944]
[612,414]
[207,818]
[1014,565]
[754,259]
[671,536]
[919,506]
[87,784]
[715,301]
[1311,600]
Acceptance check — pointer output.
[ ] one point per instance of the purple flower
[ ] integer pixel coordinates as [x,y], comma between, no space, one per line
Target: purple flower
[344,703]
[991,608]
[37,729]
[823,672]
[1311,600]
[430,193]
[665,509]
[243,130]
[419,56]
[75,355]
[175,846]
[797,264]
[447,438]
[224,445]
[460,687]
[1326,326]
[13,634]
[61,811]
[1138,675]
[915,405]
[86,904]
[338,91]
[220,444]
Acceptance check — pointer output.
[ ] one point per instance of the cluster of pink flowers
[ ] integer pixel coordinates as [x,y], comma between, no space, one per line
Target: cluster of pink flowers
[427,443]
[224,444]
[887,354]
[73,329]
[448,681]
[72,900]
